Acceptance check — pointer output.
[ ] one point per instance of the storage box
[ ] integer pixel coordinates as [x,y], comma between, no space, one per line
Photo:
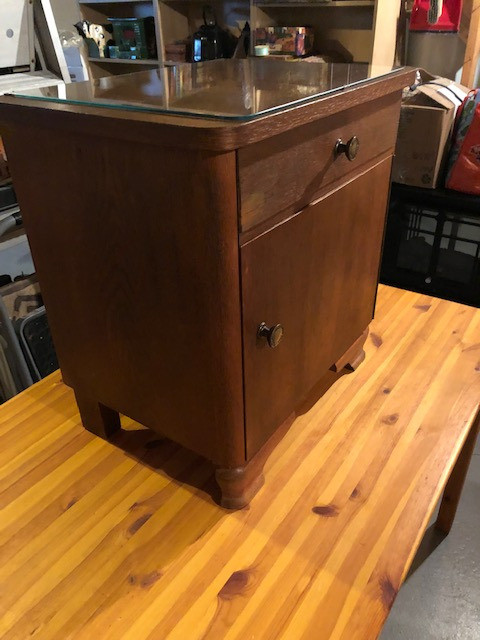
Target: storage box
[295,41]
[135,36]
[426,121]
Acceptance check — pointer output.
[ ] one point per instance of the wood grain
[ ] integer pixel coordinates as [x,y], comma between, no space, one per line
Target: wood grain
[136,249]
[353,356]
[386,28]
[287,172]
[189,132]
[97,541]
[472,52]
[311,275]
[136,244]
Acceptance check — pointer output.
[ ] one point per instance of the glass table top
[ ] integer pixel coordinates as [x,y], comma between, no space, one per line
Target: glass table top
[223,89]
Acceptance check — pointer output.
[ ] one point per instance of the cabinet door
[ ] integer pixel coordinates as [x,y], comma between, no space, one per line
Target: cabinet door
[316,275]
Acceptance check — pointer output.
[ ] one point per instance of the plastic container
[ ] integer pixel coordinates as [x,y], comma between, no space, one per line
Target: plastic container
[261,50]
[134,37]
[432,243]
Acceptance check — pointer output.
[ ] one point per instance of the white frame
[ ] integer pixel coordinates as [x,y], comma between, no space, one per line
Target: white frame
[49,40]
[21,53]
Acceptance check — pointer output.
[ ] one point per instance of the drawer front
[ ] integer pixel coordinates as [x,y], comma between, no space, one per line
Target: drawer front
[316,275]
[289,171]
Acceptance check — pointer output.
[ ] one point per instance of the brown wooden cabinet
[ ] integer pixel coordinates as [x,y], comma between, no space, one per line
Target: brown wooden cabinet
[316,275]
[162,244]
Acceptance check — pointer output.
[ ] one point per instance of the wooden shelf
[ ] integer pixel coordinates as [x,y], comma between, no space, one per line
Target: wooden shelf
[366,28]
[113,1]
[316,4]
[149,62]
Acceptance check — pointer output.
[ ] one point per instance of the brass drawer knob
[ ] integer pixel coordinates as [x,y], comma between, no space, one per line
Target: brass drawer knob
[350,148]
[273,335]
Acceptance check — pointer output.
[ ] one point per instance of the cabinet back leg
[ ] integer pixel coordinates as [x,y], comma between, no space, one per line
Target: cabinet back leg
[353,357]
[96,417]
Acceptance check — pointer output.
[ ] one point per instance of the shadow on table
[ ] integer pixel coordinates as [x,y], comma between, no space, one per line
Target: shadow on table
[184,467]
[181,466]
[319,390]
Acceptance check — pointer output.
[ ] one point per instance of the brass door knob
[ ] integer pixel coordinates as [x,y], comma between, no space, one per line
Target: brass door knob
[273,335]
[350,148]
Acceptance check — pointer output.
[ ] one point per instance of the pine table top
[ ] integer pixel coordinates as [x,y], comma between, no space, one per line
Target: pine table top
[122,541]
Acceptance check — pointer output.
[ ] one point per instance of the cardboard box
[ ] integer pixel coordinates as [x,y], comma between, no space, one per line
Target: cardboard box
[295,41]
[426,122]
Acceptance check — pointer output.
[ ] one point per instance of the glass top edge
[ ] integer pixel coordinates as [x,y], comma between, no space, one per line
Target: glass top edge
[228,90]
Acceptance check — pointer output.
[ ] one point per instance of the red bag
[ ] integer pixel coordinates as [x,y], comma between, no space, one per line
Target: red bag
[464,162]
[430,15]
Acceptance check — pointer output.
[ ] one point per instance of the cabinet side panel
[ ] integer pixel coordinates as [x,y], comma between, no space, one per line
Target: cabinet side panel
[136,248]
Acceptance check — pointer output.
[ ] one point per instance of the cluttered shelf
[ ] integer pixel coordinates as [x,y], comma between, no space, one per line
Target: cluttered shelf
[113,1]
[317,3]
[149,61]
[340,528]
[175,25]
[124,40]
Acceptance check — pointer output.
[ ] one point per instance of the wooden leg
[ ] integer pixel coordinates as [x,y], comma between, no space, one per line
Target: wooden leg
[453,489]
[97,418]
[240,484]
[355,360]
[353,357]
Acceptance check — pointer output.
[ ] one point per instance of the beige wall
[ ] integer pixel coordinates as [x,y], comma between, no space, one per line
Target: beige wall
[66,13]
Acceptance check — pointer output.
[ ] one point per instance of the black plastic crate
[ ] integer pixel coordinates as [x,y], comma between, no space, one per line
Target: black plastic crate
[37,344]
[432,243]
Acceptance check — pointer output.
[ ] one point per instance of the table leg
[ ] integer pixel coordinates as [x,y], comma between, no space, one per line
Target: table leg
[453,489]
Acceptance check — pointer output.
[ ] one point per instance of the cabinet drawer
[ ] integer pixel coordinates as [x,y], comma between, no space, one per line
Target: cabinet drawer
[316,275]
[287,172]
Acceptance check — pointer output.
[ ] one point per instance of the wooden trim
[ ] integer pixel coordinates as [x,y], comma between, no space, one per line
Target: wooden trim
[386,22]
[186,132]
[472,52]
[90,529]
[353,357]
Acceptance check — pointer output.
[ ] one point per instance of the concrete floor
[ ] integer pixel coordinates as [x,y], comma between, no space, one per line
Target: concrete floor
[440,599]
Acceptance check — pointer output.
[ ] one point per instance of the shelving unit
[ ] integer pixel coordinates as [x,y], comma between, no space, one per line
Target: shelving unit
[320,3]
[355,26]
[150,63]
[366,29]
[98,11]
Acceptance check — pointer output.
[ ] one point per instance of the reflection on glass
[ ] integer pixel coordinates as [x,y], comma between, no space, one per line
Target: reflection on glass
[238,89]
